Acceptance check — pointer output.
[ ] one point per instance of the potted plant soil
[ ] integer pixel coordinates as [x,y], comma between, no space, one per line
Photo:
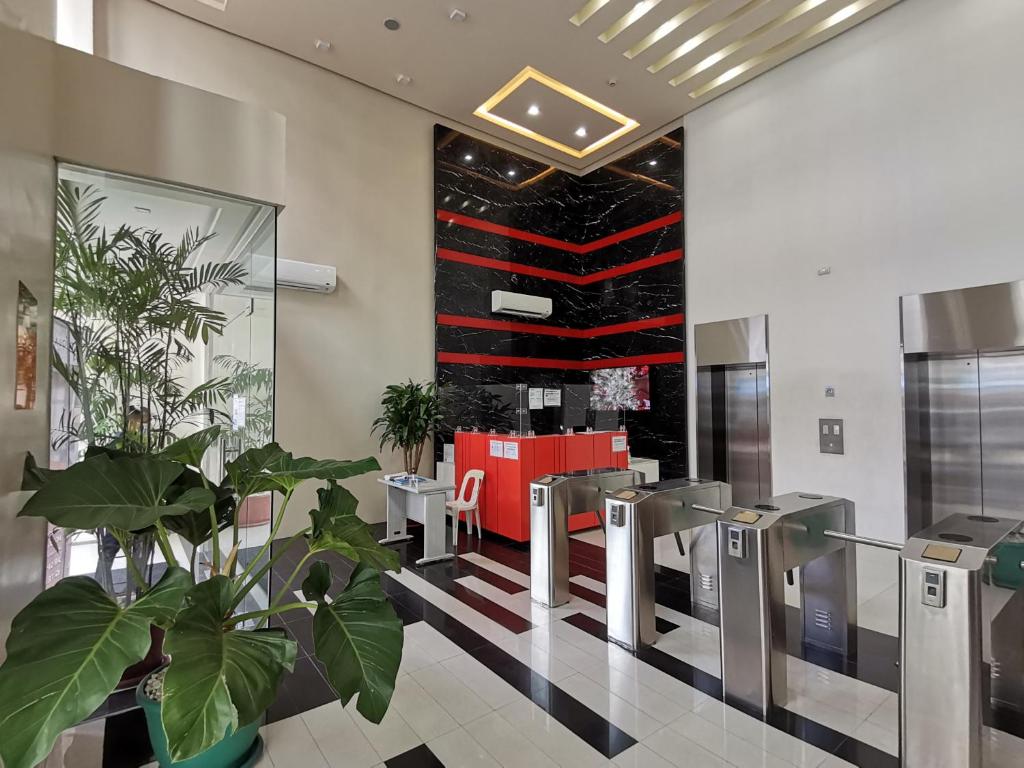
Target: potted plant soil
[70,646]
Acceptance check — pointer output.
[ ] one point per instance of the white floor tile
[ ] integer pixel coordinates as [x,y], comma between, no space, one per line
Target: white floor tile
[729,747]
[423,714]
[836,719]
[451,693]
[615,710]
[649,701]
[460,750]
[289,742]
[1001,750]
[486,684]
[640,756]
[506,744]
[436,646]
[672,746]
[553,739]
[766,738]
[887,715]
[389,738]
[339,739]
[883,739]
[539,660]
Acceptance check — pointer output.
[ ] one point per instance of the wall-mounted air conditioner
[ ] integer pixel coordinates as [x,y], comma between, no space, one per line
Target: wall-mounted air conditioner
[301,276]
[521,304]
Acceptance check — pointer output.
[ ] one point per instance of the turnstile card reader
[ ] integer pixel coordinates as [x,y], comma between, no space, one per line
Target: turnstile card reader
[756,547]
[957,615]
[636,517]
[553,498]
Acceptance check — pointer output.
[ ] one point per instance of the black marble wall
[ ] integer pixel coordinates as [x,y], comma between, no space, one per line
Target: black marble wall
[606,248]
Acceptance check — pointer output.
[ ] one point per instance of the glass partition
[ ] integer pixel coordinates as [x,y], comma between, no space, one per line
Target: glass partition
[163,326]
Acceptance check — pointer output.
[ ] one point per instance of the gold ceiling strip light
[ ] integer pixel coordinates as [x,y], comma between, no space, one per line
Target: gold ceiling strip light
[784,47]
[705,35]
[638,11]
[626,124]
[794,13]
[667,28]
[587,11]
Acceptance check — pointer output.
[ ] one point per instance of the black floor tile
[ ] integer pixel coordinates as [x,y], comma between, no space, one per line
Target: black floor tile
[417,757]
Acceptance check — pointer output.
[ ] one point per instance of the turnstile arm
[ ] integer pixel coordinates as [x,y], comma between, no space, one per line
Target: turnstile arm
[863,540]
[709,510]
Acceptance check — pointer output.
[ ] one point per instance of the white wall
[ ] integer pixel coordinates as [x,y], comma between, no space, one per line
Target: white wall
[893,154]
[359,195]
[36,16]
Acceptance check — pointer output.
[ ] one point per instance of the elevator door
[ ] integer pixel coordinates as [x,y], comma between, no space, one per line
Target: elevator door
[733,429]
[965,435]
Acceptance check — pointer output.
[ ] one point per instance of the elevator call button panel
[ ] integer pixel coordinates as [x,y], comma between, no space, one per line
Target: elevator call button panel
[933,588]
[942,552]
[746,516]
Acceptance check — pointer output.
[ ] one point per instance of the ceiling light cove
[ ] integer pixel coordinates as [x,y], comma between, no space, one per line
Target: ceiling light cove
[635,14]
[567,113]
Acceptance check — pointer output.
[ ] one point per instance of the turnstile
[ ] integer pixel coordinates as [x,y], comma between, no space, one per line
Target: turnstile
[961,606]
[553,498]
[635,517]
[756,547]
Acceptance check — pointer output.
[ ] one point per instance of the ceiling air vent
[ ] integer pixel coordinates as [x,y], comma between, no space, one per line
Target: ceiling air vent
[220,5]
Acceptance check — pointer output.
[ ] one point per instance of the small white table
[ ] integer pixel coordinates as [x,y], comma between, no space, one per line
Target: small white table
[424,503]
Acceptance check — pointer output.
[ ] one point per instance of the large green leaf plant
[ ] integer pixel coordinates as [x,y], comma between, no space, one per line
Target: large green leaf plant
[69,647]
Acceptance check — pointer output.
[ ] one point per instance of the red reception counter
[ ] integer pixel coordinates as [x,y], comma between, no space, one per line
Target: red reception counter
[510,463]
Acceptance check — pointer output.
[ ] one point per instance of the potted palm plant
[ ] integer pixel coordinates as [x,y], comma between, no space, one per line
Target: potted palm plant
[412,412]
[70,645]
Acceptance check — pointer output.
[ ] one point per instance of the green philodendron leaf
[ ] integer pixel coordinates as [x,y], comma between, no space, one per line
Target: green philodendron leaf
[67,650]
[358,638]
[270,468]
[194,527]
[219,679]
[126,493]
[34,477]
[337,528]
[317,582]
[191,449]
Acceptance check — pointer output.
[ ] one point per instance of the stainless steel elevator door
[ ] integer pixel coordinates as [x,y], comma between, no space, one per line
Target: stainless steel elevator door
[733,429]
[1002,433]
[943,433]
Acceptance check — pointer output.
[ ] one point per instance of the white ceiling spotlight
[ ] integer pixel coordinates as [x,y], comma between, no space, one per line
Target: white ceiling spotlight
[533,110]
[323,45]
[468,158]
[582,132]
[457,15]
[403,79]
[511,172]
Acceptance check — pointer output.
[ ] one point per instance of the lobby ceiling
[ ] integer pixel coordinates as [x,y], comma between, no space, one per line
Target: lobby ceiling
[575,83]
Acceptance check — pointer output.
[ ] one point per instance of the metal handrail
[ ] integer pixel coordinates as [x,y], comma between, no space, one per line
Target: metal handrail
[864,540]
[710,510]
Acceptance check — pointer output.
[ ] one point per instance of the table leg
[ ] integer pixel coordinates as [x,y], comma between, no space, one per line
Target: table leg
[434,529]
[397,499]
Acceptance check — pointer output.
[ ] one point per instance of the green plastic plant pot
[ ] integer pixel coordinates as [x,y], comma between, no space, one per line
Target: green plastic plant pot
[237,750]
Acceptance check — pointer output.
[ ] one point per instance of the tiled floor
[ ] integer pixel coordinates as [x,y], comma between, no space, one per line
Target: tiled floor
[490,679]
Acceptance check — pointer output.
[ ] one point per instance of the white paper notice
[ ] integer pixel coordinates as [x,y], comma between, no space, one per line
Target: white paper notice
[618,443]
[552,397]
[238,412]
[536,398]
[512,451]
[496,448]
[449,452]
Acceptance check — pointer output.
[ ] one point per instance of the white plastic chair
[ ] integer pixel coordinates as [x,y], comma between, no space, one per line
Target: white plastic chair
[467,505]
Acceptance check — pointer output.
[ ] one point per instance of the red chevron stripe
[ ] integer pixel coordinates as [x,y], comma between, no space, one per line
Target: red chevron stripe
[485,323]
[461,358]
[553,274]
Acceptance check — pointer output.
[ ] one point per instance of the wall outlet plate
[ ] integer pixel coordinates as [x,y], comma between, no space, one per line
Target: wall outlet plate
[830,435]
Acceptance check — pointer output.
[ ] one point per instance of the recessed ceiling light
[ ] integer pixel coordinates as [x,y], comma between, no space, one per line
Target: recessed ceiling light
[581,132]
[323,45]
[392,24]
[468,158]
[534,110]
[511,171]
[402,79]
[653,163]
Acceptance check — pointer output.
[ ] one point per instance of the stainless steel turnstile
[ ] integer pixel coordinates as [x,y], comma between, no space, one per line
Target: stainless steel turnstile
[635,517]
[961,607]
[756,547]
[553,498]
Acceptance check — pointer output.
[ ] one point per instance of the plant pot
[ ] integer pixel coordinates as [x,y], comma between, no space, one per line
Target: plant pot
[153,660]
[240,749]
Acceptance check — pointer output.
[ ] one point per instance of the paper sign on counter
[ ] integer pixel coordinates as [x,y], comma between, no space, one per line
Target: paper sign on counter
[618,443]
[552,397]
[512,451]
[496,448]
[536,398]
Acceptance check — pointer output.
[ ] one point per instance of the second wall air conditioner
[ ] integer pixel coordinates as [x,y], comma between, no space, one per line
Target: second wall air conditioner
[520,304]
[301,276]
